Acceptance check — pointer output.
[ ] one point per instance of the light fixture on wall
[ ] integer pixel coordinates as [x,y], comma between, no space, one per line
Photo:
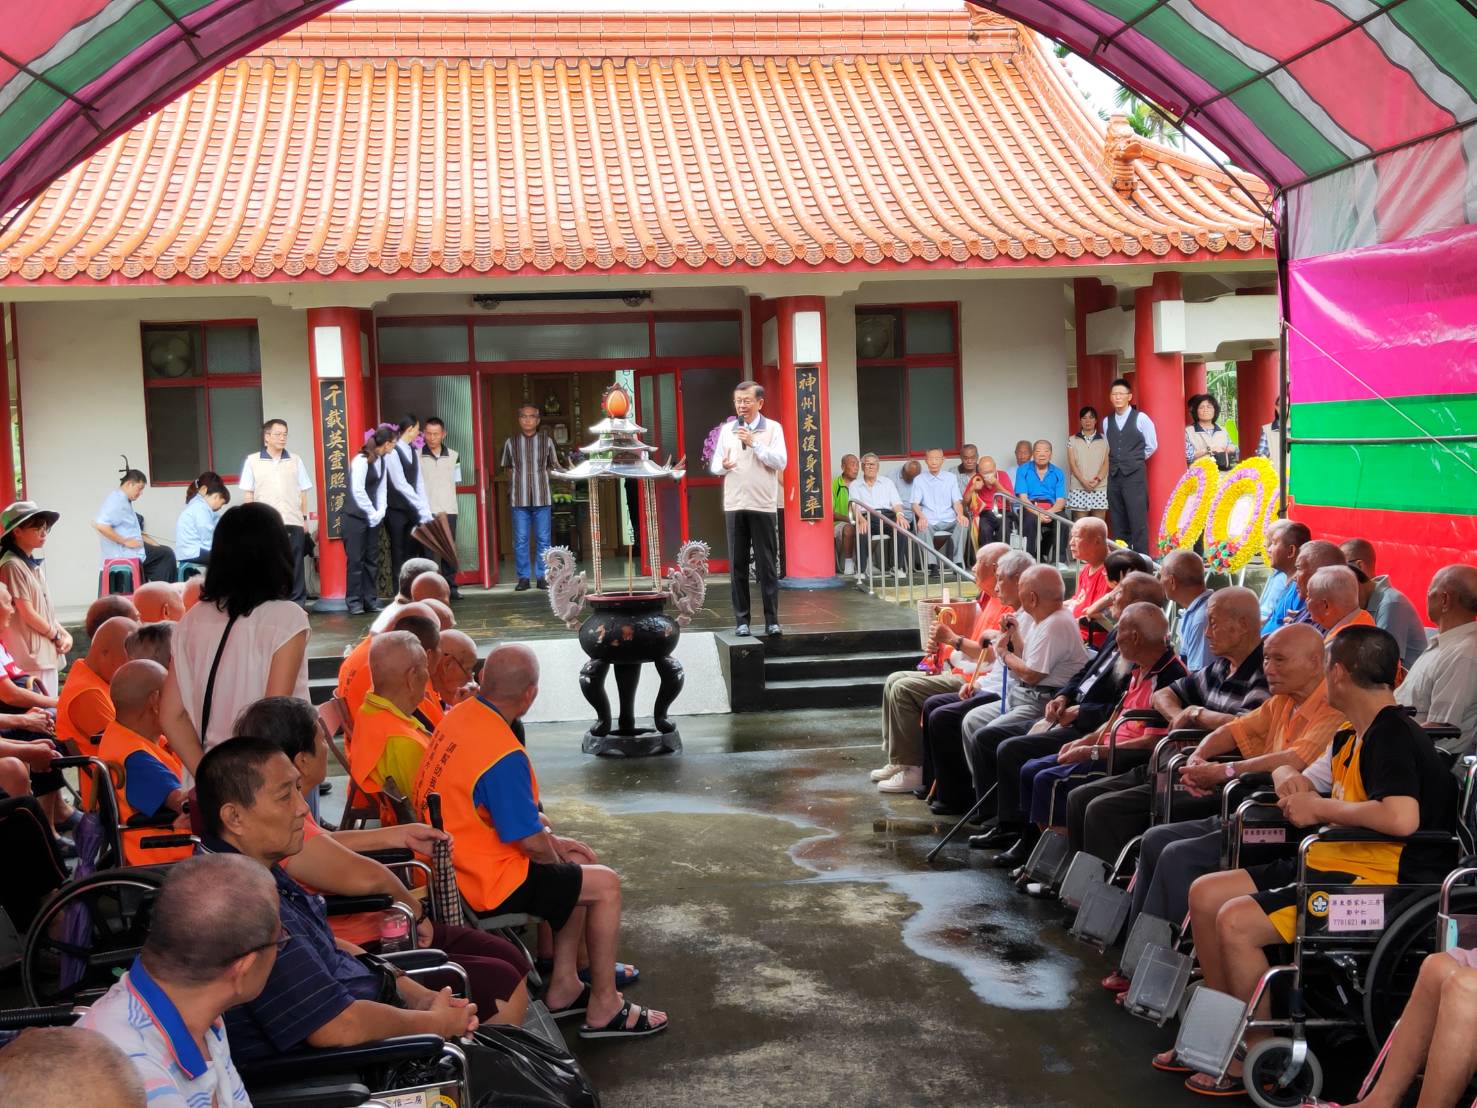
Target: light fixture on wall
[490,301]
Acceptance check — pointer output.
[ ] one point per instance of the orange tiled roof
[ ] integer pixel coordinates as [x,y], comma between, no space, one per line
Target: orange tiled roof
[484,143]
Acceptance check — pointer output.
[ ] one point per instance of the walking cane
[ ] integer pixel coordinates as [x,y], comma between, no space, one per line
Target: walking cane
[954,831]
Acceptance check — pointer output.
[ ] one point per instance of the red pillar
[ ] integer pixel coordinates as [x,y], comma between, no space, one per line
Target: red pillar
[334,360]
[809,556]
[1256,398]
[1159,390]
[1194,382]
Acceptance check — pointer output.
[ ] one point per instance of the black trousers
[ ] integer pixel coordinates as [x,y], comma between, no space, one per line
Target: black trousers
[1128,508]
[159,563]
[943,747]
[33,868]
[399,523]
[446,570]
[202,560]
[297,537]
[1114,810]
[864,546]
[761,531]
[1010,757]
[1040,536]
[362,555]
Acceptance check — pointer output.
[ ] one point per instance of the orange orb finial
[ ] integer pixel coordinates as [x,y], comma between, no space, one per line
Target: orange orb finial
[617,403]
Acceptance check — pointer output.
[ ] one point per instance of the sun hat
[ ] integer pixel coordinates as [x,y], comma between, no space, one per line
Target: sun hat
[22,510]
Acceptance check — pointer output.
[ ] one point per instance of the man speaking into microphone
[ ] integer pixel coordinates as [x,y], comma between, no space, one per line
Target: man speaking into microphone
[750,456]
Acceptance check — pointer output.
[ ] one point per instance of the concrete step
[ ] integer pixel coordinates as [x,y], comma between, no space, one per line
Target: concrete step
[813,643]
[823,692]
[873,663]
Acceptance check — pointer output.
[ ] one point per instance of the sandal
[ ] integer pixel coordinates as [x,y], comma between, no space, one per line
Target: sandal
[1168,1063]
[625,973]
[1226,1086]
[575,1008]
[1115,982]
[617,1029]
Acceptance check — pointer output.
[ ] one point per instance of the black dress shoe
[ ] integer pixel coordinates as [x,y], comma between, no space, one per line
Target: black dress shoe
[987,841]
[1015,856]
[325,787]
[522,585]
[939,808]
[377,605]
[999,837]
[356,610]
[543,584]
[921,792]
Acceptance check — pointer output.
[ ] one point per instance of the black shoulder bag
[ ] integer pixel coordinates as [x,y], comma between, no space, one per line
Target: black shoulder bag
[215,665]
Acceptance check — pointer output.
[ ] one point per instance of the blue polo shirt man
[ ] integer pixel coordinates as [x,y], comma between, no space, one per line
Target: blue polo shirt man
[1041,482]
[1194,646]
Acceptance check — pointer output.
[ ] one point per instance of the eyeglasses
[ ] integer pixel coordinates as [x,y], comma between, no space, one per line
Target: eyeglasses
[280,942]
[466,670]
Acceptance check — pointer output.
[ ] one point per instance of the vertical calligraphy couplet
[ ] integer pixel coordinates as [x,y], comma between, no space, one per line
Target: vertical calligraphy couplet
[808,442]
[334,430]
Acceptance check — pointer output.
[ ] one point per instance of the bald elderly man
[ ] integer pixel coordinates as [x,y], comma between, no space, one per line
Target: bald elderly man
[1312,556]
[1442,685]
[508,858]
[85,707]
[1088,544]
[1104,815]
[389,740]
[353,672]
[105,608]
[452,678]
[152,775]
[1293,727]
[157,601]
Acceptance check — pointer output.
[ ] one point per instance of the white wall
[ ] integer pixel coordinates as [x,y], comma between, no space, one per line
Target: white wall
[82,398]
[1013,368]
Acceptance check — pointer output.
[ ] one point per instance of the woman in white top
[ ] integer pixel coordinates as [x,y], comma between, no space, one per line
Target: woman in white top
[1205,437]
[245,619]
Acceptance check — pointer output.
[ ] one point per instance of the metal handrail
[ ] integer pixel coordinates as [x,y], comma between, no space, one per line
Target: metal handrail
[882,564]
[1009,507]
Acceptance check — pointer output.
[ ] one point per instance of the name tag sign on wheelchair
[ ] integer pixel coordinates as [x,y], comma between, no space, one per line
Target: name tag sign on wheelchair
[1347,912]
[436,1097]
[1253,835]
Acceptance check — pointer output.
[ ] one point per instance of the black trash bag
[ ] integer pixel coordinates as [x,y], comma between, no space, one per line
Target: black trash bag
[510,1068]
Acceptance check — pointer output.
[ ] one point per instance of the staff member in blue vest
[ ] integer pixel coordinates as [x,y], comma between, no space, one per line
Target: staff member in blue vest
[1131,443]
[405,500]
[363,513]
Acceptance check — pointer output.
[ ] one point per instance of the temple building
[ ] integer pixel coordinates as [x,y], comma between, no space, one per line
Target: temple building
[910,228]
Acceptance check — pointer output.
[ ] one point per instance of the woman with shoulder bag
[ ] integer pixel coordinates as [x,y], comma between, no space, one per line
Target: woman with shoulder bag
[1205,437]
[244,640]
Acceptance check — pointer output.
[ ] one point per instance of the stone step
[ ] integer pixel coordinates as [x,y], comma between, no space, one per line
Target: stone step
[822,692]
[874,663]
[849,641]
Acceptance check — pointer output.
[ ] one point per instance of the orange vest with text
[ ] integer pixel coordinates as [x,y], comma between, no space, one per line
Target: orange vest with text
[118,745]
[353,677]
[471,740]
[376,726]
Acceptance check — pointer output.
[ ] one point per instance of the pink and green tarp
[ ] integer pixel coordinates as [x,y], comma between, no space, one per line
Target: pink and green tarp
[1362,115]
[76,73]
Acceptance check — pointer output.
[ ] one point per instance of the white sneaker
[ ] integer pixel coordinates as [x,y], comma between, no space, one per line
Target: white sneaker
[885,772]
[850,567]
[905,780]
[901,575]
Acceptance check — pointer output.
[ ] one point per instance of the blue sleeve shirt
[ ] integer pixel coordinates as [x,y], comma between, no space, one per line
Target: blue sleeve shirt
[1194,646]
[148,782]
[1289,604]
[1033,486]
[505,793]
[196,528]
[117,512]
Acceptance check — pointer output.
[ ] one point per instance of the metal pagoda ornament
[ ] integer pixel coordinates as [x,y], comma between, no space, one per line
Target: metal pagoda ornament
[628,627]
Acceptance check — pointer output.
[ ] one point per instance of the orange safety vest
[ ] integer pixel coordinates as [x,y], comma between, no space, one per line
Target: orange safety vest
[81,679]
[118,745]
[471,740]
[353,677]
[379,721]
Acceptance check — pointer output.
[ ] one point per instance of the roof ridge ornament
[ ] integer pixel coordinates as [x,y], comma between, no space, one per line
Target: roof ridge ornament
[1121,145]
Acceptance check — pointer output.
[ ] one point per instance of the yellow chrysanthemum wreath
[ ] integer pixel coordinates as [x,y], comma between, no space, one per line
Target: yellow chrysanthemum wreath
[1189,506]
[1235,531]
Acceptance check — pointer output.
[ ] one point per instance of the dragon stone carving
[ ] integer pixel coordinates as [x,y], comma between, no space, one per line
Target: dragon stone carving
[566,587]
[688,580]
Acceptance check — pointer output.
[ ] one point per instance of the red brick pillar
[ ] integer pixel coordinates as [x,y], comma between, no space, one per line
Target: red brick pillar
[1256,398]
[343,408]
[1159,391]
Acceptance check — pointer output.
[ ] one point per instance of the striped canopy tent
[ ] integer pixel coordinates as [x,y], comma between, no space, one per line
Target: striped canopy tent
[76,73]
[1362,116]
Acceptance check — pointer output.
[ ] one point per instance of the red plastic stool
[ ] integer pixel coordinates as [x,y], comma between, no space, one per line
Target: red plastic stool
[108,578]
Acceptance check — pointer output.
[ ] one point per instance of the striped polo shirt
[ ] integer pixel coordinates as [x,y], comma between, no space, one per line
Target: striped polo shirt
[529,459]
[1217,688]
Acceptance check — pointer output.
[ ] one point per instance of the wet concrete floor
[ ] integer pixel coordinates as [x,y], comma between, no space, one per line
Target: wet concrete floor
[781,912]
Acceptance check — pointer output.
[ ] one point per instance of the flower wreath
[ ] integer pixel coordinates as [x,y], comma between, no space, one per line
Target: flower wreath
[1235,531]
[1189,505]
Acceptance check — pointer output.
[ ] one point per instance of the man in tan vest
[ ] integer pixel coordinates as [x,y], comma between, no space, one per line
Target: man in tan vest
[441,468]
[281,480]
[750,457]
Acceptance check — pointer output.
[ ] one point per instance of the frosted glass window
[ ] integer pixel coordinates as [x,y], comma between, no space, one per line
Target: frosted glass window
[929,331]
[931,404]
[233,350]
[422,344]
[879,391]
[179,441]
[466,530]
[236,428]
[520,342]
[699,338]
[448,396]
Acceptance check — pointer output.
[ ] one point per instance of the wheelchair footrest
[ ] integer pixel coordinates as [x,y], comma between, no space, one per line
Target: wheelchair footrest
[1210,1031]
[1148,930]
[1048,860]
[1102,915]
[1158,983]
[1085,871]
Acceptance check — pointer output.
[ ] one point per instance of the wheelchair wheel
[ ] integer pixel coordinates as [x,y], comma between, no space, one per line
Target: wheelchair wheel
[86,934]
[1396,961]
[1263,1071]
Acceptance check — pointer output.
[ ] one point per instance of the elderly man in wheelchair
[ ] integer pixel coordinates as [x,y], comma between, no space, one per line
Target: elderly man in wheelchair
[1387,829]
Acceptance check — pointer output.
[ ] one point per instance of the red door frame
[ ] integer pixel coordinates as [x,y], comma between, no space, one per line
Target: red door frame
[480,372]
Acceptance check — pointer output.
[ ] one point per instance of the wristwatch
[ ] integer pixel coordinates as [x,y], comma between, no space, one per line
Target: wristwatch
[1230,771]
